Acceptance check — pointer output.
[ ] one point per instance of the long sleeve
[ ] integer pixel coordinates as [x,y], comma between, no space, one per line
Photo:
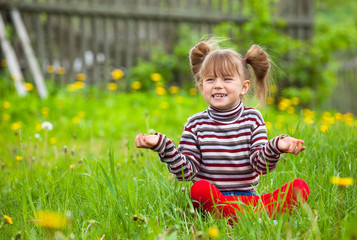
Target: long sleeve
[264,154]
[182,161]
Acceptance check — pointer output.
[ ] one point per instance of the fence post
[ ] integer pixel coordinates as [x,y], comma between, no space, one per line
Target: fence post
[11,59]
[31,59]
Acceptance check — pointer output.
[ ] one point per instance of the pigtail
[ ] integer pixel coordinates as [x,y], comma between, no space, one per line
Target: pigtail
[259,61]
[197,56]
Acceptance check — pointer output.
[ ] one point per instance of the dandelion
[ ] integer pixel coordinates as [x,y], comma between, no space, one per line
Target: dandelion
[284,103]
[38,127]
[50,69]
[6,117]
[156,77]
[342,182]
[112,86]
[61,71]
[37,136]
[8,220]
[51,220]
[71,166]
[53,140]
[79,84]
[213,232]
[71,87]
[136,85]
[164,105]
[174,89]
[160,91]
[81,114]
[179,99]
[76,120]
[117,74]
[273,89]
[3,63]
[268,125]
[45,112]
[295,101]
[323,128]
[29,86]
[290,110]
[6,105]
[192,91]
[47,126]
[16,126]
[81,77]
[270,100]
[19,158]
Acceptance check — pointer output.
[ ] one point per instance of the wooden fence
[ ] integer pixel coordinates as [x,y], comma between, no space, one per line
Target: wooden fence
[96,36]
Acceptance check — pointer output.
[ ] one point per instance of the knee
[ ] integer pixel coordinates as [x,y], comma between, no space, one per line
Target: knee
[203,192]
[301,188]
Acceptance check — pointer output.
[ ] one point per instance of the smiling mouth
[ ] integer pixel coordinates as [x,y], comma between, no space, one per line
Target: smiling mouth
[219,95]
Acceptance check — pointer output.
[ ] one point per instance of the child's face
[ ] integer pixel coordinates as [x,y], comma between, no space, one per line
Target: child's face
[223,92]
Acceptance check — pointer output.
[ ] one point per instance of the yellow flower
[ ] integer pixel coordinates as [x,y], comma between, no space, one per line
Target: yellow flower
[180,99]
[19,158]
[38,127]
[61,71]
[295,101]
[8,220]
[342,182]
[268,125]
[16,126]
[29,86]
[273,89]
[81,114]
[76,120]
[3,63]
[6,105]
[164,105]
[53,140]
[50,69]
[174,89]
[71,87]
[308,120]
[79,84]
[290,110]
[45,111]
[81,77]
[192,91]
[71,166]
[136,85]
[213,232]
[323,128]
[117,74]
[156,77]
[112,86]
[284,103]
[160,91]
[51,220]
[270,100]
[6,117]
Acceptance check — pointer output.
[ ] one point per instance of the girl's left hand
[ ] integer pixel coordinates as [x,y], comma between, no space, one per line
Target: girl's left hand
[291,145]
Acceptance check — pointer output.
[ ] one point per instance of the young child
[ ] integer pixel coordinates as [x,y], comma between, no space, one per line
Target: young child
[224,149]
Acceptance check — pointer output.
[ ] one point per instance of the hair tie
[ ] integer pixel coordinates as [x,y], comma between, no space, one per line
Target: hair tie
[245,59]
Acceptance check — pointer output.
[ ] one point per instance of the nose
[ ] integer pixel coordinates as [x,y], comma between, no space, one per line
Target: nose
[218,83]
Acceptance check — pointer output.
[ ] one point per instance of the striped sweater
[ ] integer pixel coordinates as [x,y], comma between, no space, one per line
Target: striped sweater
[229,148]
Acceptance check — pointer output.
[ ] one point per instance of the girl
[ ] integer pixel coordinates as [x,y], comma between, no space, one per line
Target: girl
[224,149]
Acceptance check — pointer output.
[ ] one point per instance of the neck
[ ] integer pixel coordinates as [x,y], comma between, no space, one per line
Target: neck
[225,116]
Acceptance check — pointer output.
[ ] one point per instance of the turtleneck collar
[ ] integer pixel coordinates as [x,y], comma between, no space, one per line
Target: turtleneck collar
[225,116]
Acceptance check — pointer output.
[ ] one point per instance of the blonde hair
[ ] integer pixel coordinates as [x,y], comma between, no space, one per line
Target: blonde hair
[206,57]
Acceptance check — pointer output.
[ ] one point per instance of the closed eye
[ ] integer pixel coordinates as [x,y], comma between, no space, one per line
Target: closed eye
[228,79]
[209,80]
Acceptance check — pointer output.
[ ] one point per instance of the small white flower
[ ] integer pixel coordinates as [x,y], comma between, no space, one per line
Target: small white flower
[38,136]
[47,126]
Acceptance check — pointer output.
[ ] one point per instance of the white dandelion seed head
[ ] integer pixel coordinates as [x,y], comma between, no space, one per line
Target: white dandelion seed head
[47,126]
[37,136]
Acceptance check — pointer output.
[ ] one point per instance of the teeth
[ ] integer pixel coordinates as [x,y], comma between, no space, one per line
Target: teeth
[219,95]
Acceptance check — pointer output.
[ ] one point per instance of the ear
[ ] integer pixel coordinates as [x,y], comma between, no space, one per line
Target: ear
[245,87]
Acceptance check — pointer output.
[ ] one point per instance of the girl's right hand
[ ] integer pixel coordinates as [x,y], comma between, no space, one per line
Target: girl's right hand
[146,141]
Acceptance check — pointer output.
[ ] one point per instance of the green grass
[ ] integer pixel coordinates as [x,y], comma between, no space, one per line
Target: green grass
[88,168]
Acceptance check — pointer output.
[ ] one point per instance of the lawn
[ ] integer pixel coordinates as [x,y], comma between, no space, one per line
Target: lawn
[70,170]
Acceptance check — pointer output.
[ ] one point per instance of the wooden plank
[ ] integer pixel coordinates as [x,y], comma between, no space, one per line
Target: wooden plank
[31,59]
[11,59]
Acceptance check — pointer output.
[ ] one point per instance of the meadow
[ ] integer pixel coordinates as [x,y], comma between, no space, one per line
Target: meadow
[70,170]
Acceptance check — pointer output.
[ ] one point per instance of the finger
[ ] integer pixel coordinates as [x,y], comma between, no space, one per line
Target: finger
[298,149]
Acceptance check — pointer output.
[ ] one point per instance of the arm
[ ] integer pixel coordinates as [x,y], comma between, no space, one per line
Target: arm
[182,161]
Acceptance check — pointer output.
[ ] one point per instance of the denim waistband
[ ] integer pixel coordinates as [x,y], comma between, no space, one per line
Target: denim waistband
[239,193]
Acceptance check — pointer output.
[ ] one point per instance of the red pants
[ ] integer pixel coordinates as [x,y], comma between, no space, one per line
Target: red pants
[284,199]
